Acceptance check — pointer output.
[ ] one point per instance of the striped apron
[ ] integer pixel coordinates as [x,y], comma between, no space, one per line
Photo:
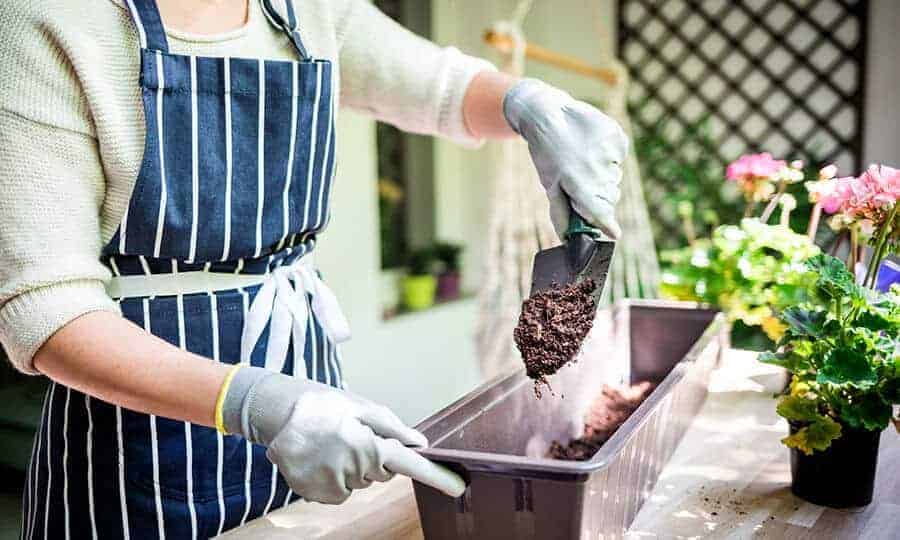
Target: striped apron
[211,256]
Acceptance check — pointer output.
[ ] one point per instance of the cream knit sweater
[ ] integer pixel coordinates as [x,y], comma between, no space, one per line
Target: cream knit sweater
[72,130]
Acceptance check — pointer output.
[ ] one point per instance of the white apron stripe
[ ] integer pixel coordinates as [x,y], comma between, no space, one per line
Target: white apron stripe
[247,479]
[144,266]
[228,159]
[126,533]
[272,492]
[326,359]
[332,359]
[156,489]
[314,347]
[160,523]
[312,146]
[220,443]
[320,215]
[123,229]
[261,157]
[90,465]
[214,315]
[249,465]
[189,456]
[285,203]
[188,439]
[113,265]
[35,465]
[162,154]
[195,165]
[26,502]
[33,471]
[65,461]
[49,460]
[142,35]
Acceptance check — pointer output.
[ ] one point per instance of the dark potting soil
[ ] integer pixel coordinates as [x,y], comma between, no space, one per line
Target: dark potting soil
[552,327]
[608,411]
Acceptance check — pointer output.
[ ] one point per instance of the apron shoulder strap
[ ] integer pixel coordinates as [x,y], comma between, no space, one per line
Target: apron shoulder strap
[284,17]
[149,25]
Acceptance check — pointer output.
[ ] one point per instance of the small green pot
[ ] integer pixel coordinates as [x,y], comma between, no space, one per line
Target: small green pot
[418,291]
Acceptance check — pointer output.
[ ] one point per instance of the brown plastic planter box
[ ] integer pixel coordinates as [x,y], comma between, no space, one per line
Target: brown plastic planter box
[497,435]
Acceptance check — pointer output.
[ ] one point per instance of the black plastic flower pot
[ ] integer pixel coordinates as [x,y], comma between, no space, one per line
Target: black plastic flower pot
[843,475]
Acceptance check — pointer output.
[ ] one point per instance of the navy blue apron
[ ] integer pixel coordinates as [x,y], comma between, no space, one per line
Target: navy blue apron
[236,175]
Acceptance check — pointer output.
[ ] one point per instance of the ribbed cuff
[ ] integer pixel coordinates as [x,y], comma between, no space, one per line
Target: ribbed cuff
[451,123]
[28,320]
[234,403]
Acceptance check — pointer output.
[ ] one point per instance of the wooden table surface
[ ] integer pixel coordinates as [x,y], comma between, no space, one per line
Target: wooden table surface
[729,478]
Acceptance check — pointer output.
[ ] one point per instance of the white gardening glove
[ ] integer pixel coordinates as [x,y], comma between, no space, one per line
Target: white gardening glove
[327,442]
[578,152]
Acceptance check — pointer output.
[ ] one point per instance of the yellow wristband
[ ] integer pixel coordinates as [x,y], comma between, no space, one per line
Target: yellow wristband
[220,401]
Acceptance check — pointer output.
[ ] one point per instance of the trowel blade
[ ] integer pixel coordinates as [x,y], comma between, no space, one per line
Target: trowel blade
[580,258]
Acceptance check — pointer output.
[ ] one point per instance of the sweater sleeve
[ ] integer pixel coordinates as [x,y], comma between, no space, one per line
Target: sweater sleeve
[52,180]
[403,79]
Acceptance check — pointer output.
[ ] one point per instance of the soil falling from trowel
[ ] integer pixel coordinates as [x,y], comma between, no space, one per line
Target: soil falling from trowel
[552,327]
[607,413]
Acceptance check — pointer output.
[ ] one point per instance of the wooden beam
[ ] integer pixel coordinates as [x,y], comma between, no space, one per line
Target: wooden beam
[505,43]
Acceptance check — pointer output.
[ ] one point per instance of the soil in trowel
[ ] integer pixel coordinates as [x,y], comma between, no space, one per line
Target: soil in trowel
[552,327]
[608,411]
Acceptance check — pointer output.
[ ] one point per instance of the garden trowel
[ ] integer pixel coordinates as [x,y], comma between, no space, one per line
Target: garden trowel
[583,254]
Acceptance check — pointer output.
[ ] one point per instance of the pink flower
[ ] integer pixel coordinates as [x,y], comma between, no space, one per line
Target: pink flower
[832,194]
[755,167]
[881,185]
[865,200]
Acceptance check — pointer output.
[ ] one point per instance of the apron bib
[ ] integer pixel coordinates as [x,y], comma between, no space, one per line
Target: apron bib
[235,181]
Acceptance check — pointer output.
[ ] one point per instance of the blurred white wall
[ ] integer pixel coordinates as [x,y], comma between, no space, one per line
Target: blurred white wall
[882,131]
[418,363]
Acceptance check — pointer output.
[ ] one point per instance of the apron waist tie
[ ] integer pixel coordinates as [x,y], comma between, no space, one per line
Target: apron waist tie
[281,302]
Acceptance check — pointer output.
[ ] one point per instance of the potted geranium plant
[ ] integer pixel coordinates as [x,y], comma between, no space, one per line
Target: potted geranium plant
[753,269]
[842,348]
[419,284]
[447,255]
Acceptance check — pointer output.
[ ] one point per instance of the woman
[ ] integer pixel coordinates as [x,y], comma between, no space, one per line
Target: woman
[166,167]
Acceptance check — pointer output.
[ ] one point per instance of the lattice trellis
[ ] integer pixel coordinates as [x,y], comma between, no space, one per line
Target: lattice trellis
[785,76]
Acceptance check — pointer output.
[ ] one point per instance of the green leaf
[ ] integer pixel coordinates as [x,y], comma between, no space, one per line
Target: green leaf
[794,356]
[877,319]
[805,322]
[866,411]
[890,391]
[816,436]
[834,281]
[830,269]
[798,409]
[847,367]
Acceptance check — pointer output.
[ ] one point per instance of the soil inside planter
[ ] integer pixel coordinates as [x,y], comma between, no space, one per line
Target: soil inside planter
[607,413]
[552,327]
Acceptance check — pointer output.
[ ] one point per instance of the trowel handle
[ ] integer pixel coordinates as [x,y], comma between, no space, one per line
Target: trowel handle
[577,225]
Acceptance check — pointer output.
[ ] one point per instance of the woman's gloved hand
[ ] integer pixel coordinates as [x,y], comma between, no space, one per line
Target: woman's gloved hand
[578,152]
[326,442]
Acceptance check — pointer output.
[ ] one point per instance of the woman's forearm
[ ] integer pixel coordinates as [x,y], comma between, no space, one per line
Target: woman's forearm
[108,357]
[483,105]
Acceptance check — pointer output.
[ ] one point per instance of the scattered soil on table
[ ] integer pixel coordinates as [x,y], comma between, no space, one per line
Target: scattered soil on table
[608,411]
[552,327]
[716,501]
